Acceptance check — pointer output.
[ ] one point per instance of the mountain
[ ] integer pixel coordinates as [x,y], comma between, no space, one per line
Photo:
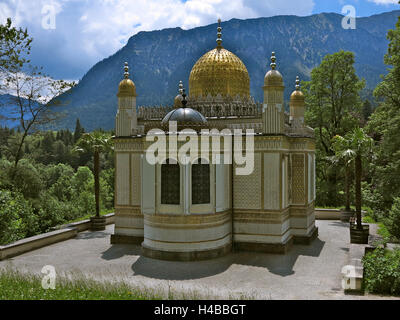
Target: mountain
[159,59]
[9,111]
[6,111]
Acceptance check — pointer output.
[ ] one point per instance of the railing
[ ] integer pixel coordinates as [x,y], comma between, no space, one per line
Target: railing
[208,107]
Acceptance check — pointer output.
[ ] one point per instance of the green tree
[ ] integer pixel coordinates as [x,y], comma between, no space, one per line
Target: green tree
[15,46]
[32,109]
[96,143]
[366,110]
[384,125]
[79,130]
[17,219]
[393,220]
[355,146]
[333,108]
[26,84]
[344,157]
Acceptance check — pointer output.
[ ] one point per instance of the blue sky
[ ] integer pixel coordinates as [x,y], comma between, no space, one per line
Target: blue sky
[364,8]
[70,36]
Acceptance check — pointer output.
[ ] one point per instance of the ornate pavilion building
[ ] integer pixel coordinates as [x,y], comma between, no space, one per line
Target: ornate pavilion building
[200,209]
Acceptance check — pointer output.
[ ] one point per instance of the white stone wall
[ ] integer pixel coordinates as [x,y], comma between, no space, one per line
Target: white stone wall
[126,119]
[187,233]
[273,111]
[267,232]
[136,179]
[311,178]
[272,184]
[122,179]
[148,192]
[222,186]
[129,225]
[247,189]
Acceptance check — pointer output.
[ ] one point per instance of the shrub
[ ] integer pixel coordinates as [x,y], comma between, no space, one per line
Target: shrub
[62,189]
[107,187]
[83,180]
[4,178]
[106,195]
[27,179]
[49,211]
[372,199]
[86,203]
[393,219]
[17,219]
[382,271]
[53,173]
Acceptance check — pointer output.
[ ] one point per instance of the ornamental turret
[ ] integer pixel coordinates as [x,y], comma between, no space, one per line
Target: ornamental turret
[297,107]
[126,119]
[273,109]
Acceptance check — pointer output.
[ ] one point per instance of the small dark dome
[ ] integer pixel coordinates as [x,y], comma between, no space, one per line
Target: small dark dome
[185,116]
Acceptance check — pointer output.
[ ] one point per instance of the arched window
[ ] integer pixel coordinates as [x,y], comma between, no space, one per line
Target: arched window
[170,183]
[201,183]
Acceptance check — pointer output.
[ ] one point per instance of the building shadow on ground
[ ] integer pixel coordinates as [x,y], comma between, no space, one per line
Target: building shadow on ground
[92,235]
[281,265]
[117,251]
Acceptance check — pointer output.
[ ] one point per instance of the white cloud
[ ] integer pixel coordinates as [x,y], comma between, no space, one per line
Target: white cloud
[384,1]
[87,31]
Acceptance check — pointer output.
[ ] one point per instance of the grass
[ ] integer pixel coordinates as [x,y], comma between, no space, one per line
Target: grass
[16,286]
[382,229]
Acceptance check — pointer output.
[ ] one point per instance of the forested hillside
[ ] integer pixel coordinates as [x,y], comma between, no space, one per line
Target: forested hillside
[159,59]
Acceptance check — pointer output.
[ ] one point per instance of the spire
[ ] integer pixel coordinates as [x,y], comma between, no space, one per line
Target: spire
[184,101]
[126,68]
[126,87]
[219,35]
[273,61]
[179,98]
[180,87]
[297,83]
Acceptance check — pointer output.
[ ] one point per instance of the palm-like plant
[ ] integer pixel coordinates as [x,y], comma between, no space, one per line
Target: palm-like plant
[96,143]
[343,156]
[353,147]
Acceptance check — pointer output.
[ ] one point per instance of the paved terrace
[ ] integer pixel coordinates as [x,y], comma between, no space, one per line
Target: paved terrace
[306,272]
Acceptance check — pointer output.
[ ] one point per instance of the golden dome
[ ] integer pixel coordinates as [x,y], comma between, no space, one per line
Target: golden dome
[219,71]
[273,78]
[126,87]
[297,95]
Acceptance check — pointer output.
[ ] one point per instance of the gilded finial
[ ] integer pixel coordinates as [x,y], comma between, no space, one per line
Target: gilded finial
[219,35]
[184,101]
[180,87]
[297,83]
[273,61]
[126,68]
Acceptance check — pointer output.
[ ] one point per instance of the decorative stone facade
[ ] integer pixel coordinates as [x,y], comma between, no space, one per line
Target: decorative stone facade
[267,210]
